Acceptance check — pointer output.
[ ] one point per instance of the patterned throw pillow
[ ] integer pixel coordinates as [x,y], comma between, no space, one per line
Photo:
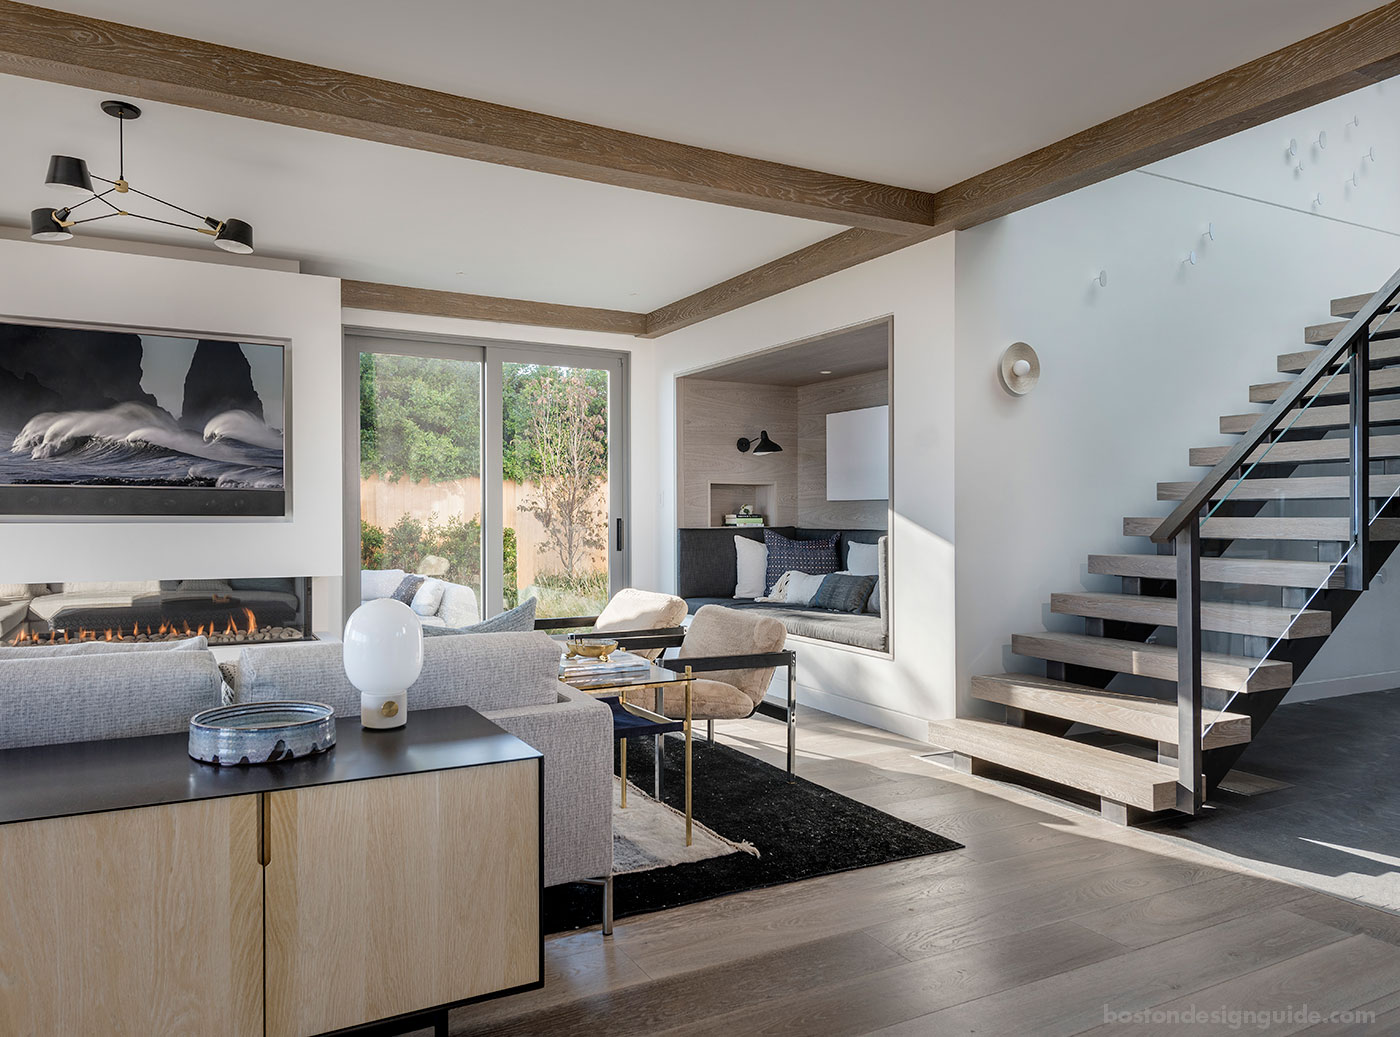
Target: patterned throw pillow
[407,588]
[843,592]
[805,556]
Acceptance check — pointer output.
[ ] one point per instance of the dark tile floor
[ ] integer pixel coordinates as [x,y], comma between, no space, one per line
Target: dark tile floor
[1337,828]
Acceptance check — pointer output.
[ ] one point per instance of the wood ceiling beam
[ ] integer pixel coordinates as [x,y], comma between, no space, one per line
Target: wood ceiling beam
[368,295]
[59,47]
[1346,57]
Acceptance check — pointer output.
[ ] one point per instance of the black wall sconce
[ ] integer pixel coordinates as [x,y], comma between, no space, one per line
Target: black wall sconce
[763,446]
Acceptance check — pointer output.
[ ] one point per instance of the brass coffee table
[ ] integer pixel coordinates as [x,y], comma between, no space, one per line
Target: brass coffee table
[633,721]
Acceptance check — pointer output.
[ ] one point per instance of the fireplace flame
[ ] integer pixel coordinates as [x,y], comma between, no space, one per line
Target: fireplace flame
[236,628]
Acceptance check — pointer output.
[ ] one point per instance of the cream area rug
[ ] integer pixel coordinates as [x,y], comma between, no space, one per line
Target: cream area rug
[651,835]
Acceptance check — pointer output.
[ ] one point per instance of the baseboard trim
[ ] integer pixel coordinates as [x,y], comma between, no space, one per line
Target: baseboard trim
[1311,691]
[853,709]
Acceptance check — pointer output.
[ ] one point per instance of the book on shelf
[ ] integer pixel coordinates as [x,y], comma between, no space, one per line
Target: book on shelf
[743,520]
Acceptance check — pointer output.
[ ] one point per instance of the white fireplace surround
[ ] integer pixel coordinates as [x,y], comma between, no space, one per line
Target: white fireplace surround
[46,283]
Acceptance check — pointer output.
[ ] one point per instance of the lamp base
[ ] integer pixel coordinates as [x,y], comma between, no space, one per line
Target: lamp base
[384,712]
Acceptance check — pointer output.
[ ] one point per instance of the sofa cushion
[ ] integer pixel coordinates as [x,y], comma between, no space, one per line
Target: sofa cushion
[863,631]
[458,608]
[751,561]
[709,700]
[48,651]
[12,614]
[46,700]
[379,583]
[706,565]
[805,556]
[491,672]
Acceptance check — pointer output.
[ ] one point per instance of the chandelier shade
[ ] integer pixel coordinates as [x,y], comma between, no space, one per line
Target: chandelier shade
[44,226]
[71,175]
[68,174]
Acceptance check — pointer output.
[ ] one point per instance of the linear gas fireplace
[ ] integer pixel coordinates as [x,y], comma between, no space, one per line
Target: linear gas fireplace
[225,611]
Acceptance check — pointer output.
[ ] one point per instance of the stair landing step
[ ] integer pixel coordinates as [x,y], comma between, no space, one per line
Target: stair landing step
[1228,617]
[1258,572]
[1229,673]
[1271,528]
[1113,776]
[1304,487]
[1322,334]
[1154,719]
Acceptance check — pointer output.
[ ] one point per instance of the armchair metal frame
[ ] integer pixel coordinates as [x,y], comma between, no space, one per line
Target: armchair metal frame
[674,637]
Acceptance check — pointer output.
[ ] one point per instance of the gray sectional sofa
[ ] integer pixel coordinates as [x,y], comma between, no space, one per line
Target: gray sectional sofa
[512,680]
[707,574]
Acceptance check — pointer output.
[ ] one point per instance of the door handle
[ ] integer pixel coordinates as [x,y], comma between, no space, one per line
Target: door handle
[619,534]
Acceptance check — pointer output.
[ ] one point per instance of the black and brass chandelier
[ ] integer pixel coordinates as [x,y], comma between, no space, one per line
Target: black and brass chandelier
[71,175]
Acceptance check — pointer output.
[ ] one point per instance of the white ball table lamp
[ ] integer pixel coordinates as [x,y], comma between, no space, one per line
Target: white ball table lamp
[383,656]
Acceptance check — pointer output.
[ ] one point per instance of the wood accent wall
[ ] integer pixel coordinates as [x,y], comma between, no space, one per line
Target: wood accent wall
[814,403]
[710,416]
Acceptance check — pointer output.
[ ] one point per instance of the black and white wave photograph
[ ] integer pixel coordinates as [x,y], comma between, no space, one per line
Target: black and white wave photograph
[137,411]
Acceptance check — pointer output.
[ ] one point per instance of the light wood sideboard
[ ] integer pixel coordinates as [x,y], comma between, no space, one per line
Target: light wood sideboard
[144,893]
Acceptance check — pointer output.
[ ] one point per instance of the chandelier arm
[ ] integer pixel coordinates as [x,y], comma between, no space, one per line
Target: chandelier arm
[94,198]
[170,205]
[91,219]
[168,223]
[94,176]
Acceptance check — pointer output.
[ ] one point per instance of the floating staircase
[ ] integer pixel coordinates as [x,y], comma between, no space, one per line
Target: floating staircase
[1285,551]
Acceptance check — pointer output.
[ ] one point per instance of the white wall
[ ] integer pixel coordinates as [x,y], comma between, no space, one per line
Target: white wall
[51,283]
[643,457]
[916,683]
[1137,372]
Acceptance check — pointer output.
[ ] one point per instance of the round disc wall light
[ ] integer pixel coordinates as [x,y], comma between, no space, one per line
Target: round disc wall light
[1019,369]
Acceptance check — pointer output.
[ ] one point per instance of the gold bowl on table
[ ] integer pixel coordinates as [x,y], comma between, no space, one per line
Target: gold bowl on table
[592,648]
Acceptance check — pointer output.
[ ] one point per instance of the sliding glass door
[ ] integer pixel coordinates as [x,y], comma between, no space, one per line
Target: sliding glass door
[493,466]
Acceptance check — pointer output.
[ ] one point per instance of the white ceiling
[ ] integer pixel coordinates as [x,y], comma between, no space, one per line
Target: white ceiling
[920,93]
[371,212]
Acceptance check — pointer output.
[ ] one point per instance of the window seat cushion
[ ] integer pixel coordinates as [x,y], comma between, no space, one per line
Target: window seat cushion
[861,630]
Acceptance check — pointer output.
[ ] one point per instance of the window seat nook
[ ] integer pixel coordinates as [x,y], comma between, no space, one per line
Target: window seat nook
[707,574]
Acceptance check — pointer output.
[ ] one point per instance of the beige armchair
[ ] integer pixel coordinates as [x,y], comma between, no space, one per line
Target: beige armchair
[632,611]
[738,651]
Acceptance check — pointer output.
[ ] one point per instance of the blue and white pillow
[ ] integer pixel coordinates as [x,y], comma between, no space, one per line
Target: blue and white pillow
[816,557]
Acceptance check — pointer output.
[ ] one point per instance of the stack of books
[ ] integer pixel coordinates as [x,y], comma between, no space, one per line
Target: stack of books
[743,520]
[619,663]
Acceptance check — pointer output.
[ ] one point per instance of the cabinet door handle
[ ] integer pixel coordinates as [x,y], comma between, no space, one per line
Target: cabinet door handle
[619,534]
[264,818]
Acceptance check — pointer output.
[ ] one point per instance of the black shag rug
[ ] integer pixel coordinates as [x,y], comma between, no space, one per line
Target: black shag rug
[801,830]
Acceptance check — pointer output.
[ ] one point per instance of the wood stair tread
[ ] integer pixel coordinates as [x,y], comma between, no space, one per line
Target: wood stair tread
[1318,487]
[1144,784]
[1223,672]
[1314,417]
[1322,334]
[1224,616]
[1271,528]
[1386,379]
[1258,572]
[1294,363]
[1350,304]
[1154,719]
[1300,451]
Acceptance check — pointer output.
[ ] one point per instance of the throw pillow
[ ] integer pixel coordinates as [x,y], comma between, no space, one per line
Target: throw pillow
[407,588]
[779,591]
[752,559]
[458,608]
[429,597]
[873,605]
[521,618]
[863,559]
[804,556]
[842,592]
[802,587]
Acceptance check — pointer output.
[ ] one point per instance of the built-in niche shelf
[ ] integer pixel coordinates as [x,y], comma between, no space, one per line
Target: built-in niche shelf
[727,498]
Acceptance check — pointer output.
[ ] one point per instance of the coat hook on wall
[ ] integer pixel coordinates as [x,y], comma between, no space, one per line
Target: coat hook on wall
[1101,279]
[1321,142]
[1190,258]
[1317,200]
[1370,155]
[1293,147]
[1355,120]
[1209,234]
[1351,180]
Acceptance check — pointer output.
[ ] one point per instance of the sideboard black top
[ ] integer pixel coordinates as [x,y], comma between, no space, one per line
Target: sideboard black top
[119,774]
